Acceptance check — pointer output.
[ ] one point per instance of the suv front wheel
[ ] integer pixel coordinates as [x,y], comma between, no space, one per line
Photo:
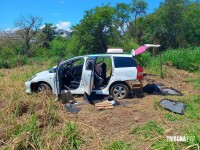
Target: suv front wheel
[42,87]
[119,91]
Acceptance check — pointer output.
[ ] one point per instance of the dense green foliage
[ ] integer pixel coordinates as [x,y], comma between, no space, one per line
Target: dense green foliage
[174,24]
[186,59]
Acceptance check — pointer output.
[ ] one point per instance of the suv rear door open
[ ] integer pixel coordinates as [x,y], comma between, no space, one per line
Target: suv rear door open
[88,75]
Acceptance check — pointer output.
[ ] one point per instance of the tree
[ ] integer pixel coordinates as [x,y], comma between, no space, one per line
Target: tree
[172,17]
[48,34]
[94,32]
[191,28]
[138,8]
[58,46]
[166,25]
[28,28]
[122,17]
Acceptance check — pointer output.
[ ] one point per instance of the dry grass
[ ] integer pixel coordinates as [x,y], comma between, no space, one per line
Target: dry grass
[18,111]
[36,122]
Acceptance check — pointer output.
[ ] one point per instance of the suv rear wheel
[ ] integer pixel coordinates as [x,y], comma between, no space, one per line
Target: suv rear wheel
[119,91]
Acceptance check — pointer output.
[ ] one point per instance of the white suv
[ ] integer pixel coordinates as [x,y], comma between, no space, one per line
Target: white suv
[114,74]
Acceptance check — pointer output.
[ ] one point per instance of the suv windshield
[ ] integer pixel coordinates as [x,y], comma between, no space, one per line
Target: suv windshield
[121,62]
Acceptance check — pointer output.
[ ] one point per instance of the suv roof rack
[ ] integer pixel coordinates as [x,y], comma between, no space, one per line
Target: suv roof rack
[115,51]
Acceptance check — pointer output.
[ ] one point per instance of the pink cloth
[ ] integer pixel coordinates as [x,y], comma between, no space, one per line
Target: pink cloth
[140,50]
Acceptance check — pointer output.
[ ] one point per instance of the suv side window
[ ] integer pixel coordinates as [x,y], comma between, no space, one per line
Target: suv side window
[121,62]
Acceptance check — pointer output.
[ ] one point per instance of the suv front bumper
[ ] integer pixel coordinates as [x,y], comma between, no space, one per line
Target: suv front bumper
[28,87]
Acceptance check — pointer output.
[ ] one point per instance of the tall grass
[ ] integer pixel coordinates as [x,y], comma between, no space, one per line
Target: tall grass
[186,59]
[41,56]
[72,138]
[21,60]
[32,121]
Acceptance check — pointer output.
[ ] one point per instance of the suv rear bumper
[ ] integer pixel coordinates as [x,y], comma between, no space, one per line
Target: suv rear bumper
[134,84]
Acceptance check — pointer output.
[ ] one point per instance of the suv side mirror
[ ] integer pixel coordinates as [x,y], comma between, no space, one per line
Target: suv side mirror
[52,70]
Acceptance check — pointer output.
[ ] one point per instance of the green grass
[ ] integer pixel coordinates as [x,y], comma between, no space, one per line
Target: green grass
[195,81]
[1,74]
[192,107]
[21,60]
[150,130]
[24,77]
[172,117]
[119,145]
[187,125]
[26,135]
[192,136]
[156,103]
[37,130]
[73,138]
[186,59]
[165,145]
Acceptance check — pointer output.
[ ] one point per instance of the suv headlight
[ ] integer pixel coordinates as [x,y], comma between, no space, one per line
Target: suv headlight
[31,78]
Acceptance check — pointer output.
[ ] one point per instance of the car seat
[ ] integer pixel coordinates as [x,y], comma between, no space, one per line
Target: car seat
[103,72]
[98,81]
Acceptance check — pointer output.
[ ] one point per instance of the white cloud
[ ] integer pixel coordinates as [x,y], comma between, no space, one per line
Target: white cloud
[63,25]
[41,27]
[11,30]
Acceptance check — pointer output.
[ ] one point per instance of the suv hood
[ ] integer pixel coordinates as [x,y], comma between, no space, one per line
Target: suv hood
[42,76]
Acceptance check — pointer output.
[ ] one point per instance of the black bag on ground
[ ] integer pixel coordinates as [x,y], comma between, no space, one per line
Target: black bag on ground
[173,106]
[93,96]
[152,89]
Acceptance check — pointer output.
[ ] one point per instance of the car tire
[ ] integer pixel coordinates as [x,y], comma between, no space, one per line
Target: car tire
[119,91]
[43,87]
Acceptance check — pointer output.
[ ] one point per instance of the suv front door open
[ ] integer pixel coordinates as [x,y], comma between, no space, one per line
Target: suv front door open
[57,79]
[88,75]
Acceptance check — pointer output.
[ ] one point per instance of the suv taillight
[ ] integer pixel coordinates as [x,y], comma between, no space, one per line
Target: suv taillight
[139,72]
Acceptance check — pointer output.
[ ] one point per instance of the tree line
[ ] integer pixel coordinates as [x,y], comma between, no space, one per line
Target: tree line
[175,24]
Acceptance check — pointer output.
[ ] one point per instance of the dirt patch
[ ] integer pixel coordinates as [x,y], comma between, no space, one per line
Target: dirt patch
[114,124]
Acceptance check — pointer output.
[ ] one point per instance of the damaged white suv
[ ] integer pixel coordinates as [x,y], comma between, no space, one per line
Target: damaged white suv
[113,73]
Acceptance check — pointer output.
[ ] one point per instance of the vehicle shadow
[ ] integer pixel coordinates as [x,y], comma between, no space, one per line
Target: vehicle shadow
[138,93]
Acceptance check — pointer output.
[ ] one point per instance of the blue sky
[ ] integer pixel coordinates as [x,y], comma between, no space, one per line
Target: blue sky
[62,13]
